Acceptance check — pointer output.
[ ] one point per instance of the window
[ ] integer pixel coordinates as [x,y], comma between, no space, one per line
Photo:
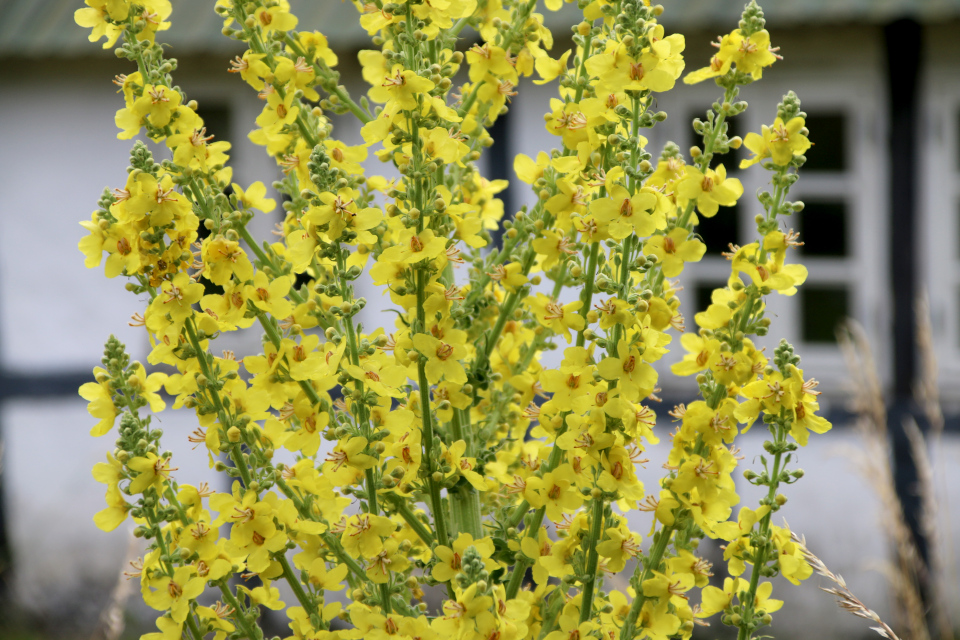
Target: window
[822,309]
[843,224]
[823,228]
[216,120]
[829,133]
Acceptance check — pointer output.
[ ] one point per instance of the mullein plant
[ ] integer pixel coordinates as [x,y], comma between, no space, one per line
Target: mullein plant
[456,461]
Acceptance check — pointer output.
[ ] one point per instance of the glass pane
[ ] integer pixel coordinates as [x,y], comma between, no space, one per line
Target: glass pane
[703,292]
[822,308]
[720,230]
[216,120]
[823,229]
[828,133]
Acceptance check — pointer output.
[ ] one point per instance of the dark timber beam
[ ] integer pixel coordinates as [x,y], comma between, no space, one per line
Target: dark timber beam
[904,42]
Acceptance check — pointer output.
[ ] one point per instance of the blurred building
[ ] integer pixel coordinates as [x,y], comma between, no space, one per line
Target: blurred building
[880,82]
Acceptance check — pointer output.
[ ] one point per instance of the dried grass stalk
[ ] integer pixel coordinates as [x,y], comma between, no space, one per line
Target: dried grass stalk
[875,463]
[927,391]
[846,600]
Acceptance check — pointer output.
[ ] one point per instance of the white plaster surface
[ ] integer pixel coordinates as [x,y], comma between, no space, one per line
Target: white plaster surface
[63,558]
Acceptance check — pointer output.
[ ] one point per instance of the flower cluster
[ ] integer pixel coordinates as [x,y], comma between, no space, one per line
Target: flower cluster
[440,455]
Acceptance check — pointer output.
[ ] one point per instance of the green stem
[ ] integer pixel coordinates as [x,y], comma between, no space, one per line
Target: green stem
[241,465]
[520,568]
[265,259]
[238,616]
[308,603]
[465,502]
[625,258]
[321,69]
[587,296]
[235,451]
[554,605]
[582,72]
[330,540]
[593,539]
[520,18]
[516,577]
[275,340]
[429,454]
[403,509]
[436,503]
[652,564]
[556,455]
[194,629]
[747,622]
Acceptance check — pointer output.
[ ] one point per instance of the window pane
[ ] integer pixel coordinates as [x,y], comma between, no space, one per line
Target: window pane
[216,121]
[704,291]
[823,229]
[828,133]
[822,308]
[720,230]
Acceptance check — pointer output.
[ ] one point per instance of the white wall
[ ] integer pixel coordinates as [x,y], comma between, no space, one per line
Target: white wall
[58,151]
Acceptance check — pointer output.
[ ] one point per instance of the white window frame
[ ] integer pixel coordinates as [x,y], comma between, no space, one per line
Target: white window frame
[939,218]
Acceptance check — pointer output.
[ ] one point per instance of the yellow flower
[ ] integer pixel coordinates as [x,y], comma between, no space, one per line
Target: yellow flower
[276,18]
[554,492]
[635,378]
[548,68]
[157,104]
[715,600]
[327,580]
[656,69]
[560,318]
[254,197]
[269,295]
[448,565]
[223,259]
[265,596]
[101,16]
[178,296]
[710,189]
[153,472]
[669,586]
[620,545]
[780,142]
[806,420]
[403,87]
[488,58]
[749,53]
[363,535]
[101,406]
[744,525]
[348,453]
[640,214]
[443,358]
[297,75]
[174,594]
[674,249]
